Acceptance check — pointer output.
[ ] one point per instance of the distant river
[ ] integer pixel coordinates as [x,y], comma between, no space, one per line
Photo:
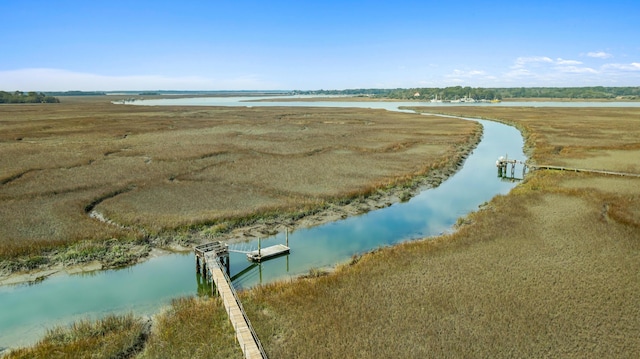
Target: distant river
[28,310]
[299,102]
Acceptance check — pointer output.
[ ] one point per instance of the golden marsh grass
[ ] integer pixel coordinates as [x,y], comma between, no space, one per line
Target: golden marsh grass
[110,337]
[152,170]
[550,270]
[596,138]
[179,333]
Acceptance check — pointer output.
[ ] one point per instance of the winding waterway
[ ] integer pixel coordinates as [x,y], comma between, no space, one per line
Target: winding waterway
[28,310]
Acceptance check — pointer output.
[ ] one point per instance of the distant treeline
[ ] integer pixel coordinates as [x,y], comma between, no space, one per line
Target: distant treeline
[29,97]
[479,93]
[76,93]
[170,92]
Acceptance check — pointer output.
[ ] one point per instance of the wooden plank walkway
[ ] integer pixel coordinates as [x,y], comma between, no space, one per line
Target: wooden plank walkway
[247,338]
[560,168]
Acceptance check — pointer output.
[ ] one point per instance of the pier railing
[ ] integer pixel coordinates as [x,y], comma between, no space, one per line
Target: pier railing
[604,172]
[244,314]
[503,162]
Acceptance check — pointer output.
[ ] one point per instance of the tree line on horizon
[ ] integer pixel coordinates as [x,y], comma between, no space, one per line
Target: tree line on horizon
[480,93]
[424,93]
[29,97]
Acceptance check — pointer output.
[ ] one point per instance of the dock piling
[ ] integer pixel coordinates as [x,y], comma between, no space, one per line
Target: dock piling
[503,162]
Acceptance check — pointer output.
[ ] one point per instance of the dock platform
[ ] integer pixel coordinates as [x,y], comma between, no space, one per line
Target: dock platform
[267,253]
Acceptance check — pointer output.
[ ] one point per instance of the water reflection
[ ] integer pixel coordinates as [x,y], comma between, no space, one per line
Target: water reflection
[203,286]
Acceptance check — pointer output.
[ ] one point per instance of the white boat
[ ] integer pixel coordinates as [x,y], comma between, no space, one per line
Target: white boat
[468,99]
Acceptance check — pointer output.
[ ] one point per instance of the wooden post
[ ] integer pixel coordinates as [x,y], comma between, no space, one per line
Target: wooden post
[287,236]
[197,264]
[259,249]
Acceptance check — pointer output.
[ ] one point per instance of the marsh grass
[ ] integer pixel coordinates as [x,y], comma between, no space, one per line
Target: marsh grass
[153,170]
[550,270]
[110,337]
[570,136]
[537,273]
[193,328]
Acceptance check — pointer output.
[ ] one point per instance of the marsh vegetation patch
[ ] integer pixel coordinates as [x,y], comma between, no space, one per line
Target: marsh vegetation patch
[148,170]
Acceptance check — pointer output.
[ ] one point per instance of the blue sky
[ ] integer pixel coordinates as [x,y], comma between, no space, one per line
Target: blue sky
[285,45]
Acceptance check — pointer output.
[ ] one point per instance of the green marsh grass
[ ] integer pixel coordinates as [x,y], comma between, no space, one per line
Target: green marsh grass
[181,332]
[110,337]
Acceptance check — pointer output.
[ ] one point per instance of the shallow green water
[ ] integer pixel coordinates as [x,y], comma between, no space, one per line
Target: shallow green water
[26,311]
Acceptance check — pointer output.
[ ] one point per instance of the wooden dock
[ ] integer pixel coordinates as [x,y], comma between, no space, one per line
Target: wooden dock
[503,162]
[268,253]
[604,172]
[212,256]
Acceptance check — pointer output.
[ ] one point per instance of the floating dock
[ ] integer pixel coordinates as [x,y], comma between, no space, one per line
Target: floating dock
[268,253]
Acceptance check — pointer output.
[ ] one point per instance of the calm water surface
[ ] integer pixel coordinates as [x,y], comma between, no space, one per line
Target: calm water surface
[26,311]
[250,101]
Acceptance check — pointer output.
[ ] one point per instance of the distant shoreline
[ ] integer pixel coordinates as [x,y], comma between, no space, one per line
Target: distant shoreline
[280,97]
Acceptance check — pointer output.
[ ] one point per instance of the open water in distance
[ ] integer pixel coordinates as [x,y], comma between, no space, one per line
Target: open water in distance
[252,101]
[26,311]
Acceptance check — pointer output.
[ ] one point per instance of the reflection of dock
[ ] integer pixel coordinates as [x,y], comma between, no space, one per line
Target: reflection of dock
[260,254]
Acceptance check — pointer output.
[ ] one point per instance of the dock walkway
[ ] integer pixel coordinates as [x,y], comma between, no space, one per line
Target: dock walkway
[503,162]
[212,266]
[560,168]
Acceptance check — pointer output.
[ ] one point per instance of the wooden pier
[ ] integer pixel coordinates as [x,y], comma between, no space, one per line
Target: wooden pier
[211,258]
[604,172]
[503,162]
